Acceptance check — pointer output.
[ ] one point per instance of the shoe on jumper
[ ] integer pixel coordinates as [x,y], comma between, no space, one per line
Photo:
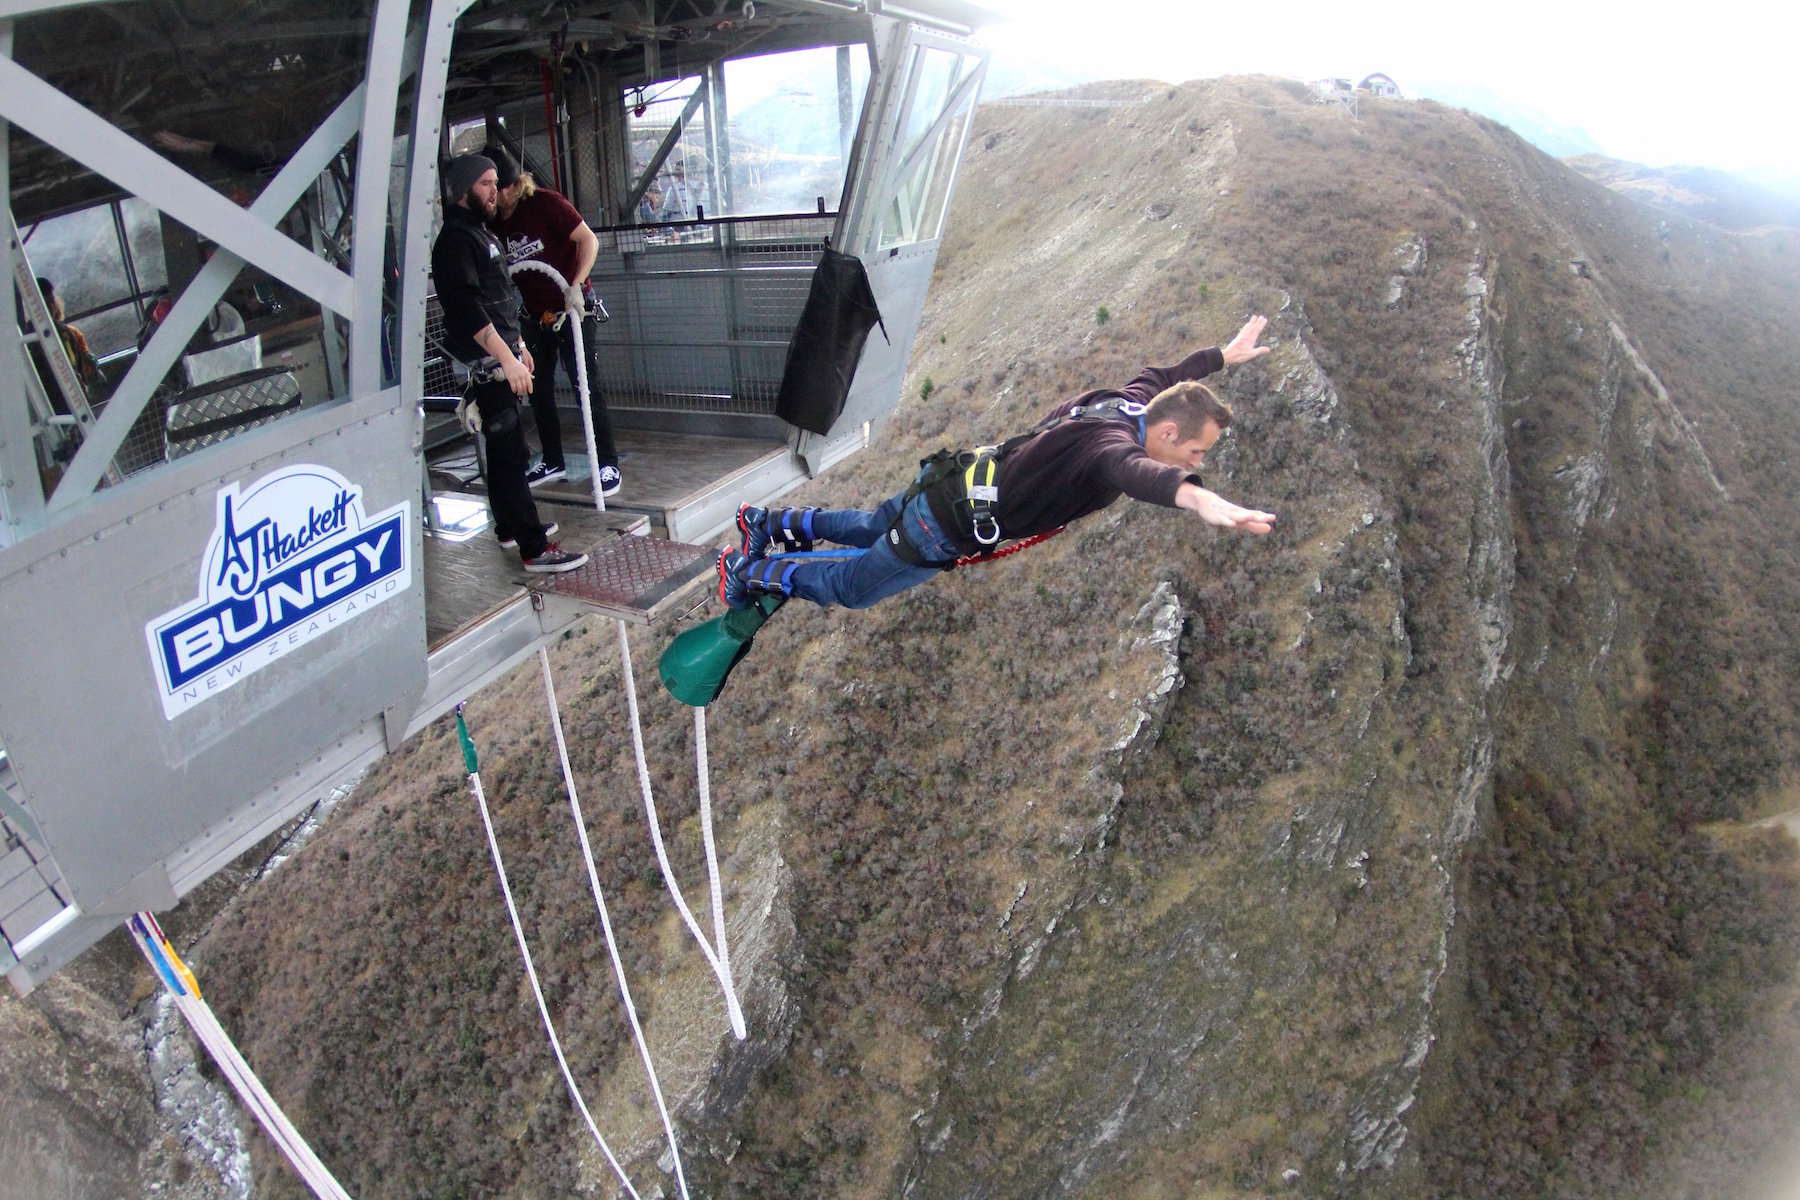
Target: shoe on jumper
[731,579]
[610,481]
[766,530]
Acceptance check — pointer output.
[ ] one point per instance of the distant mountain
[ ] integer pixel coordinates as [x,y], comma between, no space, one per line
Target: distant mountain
[1727,200]
[1551,136]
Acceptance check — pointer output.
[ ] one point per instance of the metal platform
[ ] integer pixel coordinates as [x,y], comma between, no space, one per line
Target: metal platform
[470,578]
[688,485]
[637,579]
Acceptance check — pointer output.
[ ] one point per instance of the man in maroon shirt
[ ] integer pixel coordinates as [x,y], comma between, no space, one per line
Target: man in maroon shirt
[1145,440]
[536,224]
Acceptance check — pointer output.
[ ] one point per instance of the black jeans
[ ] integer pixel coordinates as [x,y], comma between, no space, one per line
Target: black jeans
[509,496]
[549,347]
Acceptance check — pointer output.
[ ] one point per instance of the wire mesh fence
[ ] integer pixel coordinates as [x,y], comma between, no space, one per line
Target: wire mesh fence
[702,312]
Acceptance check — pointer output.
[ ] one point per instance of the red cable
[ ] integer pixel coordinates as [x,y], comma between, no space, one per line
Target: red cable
[1024,544]
[550,128]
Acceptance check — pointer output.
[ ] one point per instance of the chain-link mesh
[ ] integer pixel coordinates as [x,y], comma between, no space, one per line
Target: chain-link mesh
[440,376]
[702,313]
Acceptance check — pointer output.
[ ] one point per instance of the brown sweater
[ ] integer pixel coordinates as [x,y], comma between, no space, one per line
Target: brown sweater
[1079,467]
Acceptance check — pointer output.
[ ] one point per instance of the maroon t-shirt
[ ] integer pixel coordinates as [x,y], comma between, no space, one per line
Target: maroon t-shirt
[1079,467]
[539,230]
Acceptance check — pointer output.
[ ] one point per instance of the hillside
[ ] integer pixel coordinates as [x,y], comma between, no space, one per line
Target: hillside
[1728,201]
[1407,852]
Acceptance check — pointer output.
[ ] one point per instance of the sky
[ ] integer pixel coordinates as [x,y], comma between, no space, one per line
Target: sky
[1696,84]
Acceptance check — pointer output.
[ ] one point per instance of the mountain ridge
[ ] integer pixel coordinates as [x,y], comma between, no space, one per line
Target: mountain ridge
[1409,851]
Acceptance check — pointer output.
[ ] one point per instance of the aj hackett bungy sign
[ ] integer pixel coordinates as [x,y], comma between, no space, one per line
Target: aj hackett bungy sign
[291,559]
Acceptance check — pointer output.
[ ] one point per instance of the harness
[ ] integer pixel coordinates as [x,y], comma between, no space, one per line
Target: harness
[965,483]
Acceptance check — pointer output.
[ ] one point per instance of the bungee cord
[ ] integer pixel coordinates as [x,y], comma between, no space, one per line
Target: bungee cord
[185,990]
[718,960]
[612,946]
[472,763]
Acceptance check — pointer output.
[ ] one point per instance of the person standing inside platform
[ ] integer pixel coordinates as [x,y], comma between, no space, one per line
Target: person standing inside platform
[536,224]
[481,331]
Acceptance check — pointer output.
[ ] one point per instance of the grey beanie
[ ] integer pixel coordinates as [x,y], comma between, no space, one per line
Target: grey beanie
[464,170]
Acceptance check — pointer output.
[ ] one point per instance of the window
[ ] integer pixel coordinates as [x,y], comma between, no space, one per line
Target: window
[793,118]
[104,262]
[760,136]
[941,88]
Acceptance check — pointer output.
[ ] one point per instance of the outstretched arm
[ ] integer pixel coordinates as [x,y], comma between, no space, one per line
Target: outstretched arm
[1214,509]
[1243,347]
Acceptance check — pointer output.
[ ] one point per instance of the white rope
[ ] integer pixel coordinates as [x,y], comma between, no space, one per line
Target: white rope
[180,983]
[703,773]
[612,948]
[581,376]
[720,961]
[537,991]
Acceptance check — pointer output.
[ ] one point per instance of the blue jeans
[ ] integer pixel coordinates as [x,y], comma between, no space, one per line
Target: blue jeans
[875,572]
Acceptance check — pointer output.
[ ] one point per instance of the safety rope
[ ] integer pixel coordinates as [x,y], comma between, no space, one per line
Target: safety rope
[581,376]
[185,991]
[974,560]
[473,764]
[612,946]
[719,961]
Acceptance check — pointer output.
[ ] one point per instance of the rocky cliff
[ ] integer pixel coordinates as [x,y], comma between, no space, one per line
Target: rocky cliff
[1408,851]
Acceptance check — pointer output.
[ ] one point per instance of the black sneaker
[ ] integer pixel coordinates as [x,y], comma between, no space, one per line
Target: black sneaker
[554,561]
[610,481]
[512,543]
[544,473]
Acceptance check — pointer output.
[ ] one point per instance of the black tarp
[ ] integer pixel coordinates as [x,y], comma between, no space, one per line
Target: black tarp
[821,359]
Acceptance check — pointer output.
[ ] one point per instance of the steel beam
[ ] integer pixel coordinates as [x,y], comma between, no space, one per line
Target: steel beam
[24,8]
[374,170]
[422,190]
[91,140]
[196,301]
[21,492]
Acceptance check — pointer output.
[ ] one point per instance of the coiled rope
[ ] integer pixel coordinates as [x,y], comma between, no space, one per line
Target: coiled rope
[581,376]
[185,990]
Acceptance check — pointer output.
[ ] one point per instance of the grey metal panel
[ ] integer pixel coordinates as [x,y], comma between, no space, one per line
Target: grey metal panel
[207,418]
[23,886]
[15,864]
[28,916]
[74,605]
[899,280]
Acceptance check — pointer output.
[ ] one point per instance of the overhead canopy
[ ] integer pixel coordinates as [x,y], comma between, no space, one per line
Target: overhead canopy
[260,76]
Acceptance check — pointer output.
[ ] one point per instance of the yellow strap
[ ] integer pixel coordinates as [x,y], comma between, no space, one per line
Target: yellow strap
[983,454]
[181,968]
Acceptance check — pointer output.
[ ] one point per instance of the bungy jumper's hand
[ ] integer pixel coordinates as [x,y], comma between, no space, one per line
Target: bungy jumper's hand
[1243,347]
[1215,509]
[518,375]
